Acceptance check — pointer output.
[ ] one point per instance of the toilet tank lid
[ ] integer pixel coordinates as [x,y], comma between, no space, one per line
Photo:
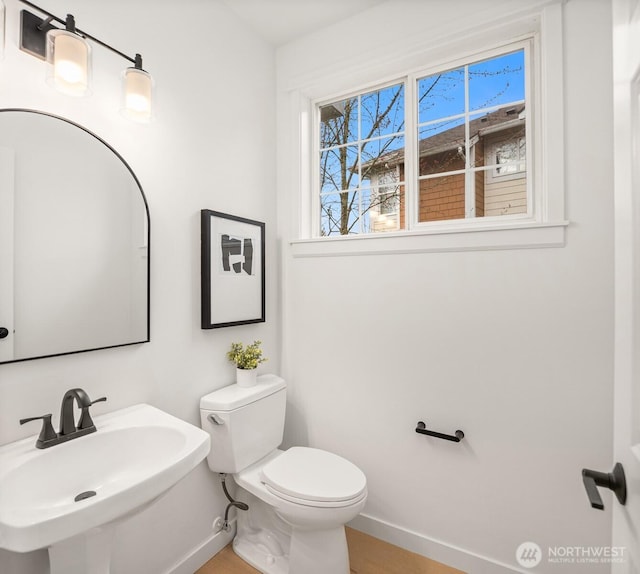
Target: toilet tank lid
[233,397]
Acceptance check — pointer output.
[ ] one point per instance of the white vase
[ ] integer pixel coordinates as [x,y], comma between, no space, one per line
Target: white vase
[246,377]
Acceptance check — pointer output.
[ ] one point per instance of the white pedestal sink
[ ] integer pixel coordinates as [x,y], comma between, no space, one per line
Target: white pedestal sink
[68,498]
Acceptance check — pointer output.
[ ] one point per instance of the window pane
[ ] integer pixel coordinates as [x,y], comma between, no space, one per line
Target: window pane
[383,207]
[339,123]
[509,153]
[510,156]
[479,124]
[360,137]
[339,169]
[504,195]
[505,177]
[496,81]
[382,112]
[339,214]
[381,155]
[441,95]
[386,200]
[442,198]
[442,147]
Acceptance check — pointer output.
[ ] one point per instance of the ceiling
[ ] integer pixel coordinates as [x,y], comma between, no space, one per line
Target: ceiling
[281,21]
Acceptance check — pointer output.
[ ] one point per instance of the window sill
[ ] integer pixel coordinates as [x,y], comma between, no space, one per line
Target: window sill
[526,235]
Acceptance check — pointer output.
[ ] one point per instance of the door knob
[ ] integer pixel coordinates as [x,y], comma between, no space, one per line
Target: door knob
[614,480]
[4,332]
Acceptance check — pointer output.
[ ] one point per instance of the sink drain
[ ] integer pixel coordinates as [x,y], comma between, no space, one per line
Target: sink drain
[85,494]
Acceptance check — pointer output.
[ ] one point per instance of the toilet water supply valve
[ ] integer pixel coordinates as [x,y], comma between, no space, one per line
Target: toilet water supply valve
[224,524]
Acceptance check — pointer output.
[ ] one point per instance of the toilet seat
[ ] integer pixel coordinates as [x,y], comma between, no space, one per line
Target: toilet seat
[314,477]
[315,503]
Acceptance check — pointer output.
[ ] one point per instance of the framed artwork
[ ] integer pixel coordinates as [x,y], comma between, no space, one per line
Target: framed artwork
[233,270]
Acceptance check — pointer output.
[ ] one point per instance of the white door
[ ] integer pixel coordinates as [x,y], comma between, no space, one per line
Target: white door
[6,253]
[626,63]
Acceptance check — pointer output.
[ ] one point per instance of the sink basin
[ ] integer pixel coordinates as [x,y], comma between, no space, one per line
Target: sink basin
[50,495]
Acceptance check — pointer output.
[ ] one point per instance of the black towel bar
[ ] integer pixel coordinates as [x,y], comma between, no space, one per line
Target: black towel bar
[456,437]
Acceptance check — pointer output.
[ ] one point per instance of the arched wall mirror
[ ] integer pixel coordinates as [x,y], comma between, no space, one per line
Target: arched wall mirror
[74,241]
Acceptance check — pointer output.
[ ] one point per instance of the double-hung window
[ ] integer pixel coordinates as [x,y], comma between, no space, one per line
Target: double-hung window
[446,146]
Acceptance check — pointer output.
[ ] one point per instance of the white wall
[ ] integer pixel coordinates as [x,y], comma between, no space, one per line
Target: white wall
[512,346]
[211,146]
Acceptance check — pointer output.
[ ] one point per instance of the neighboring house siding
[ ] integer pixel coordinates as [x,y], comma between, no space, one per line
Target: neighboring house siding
[506,197]
[441,198]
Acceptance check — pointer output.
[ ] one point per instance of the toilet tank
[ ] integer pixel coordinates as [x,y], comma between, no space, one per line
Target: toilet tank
[245,423]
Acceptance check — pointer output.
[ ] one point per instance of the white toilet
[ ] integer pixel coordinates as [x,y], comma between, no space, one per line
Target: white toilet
[299,499]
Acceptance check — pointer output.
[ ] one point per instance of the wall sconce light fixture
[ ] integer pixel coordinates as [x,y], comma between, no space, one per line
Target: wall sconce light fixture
[68,56]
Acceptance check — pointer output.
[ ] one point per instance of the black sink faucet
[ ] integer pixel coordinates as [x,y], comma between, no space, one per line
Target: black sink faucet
[67,421]
[68,429]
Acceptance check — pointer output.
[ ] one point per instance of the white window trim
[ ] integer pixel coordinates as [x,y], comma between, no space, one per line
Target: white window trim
[546,229]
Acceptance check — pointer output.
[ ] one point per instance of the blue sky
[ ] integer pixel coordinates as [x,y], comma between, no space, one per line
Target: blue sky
[492,82]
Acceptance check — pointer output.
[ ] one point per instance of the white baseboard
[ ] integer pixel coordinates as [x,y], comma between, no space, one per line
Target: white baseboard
[414,542]
[202,553]
[430,548]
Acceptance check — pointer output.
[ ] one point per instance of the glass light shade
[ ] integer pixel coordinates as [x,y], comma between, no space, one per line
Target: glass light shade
[69,63]
[137,95]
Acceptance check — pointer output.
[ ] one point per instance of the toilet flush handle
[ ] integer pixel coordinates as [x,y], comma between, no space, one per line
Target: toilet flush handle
[215,419]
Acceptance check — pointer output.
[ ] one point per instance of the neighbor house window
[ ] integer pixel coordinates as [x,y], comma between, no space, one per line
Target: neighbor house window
[385,209]
[468,157]
[510,157]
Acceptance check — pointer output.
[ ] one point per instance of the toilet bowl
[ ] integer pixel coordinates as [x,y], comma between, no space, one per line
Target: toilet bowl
[315,514]
[299,499]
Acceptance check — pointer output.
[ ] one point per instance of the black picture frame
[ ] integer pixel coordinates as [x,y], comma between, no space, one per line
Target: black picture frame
[233,270]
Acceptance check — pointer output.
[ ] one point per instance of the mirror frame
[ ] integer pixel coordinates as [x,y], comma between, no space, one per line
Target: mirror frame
[146,207]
